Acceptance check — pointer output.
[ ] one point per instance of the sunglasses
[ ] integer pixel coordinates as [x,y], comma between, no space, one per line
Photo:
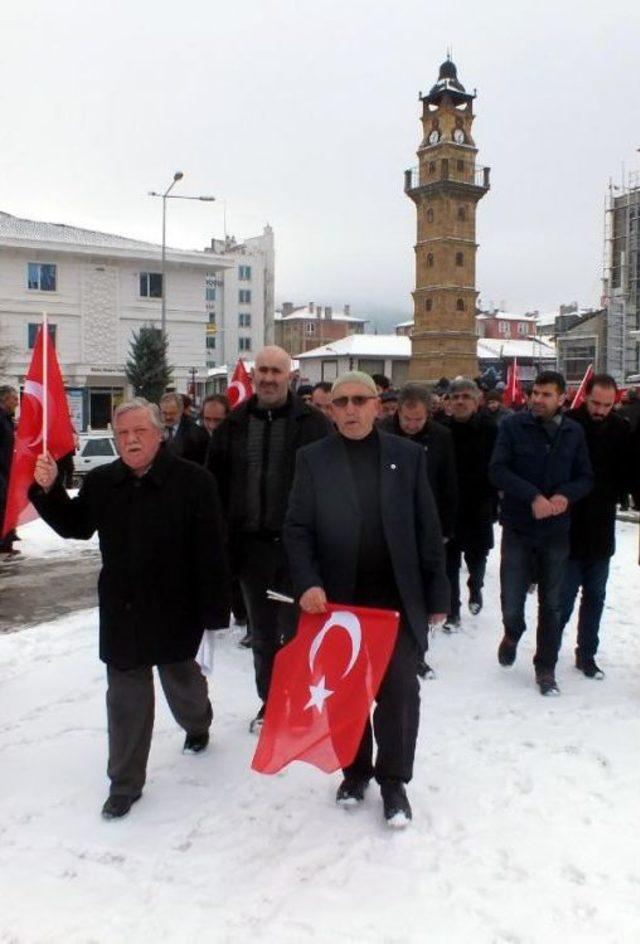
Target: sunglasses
[359,400]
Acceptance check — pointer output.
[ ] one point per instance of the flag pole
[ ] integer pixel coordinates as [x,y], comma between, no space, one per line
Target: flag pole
[45,382]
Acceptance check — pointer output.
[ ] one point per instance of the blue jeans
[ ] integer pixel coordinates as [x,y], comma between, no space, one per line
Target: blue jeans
[592,576]
[521,563]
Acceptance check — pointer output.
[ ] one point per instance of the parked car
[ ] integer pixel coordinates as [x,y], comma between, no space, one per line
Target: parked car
[94,449]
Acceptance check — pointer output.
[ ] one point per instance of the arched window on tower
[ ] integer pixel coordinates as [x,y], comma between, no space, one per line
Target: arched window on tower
[462,213]
[459,259]
[430,260]
[428,304]
[460,304]
[430,215]
[432,167]
[460,166]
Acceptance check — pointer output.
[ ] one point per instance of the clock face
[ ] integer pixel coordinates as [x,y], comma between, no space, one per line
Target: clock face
[434,137]
[458,136]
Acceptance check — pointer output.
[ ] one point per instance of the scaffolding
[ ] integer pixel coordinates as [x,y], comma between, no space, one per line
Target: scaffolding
[621,277]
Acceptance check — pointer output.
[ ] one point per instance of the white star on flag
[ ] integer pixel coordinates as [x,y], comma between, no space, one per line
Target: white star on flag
[318,695]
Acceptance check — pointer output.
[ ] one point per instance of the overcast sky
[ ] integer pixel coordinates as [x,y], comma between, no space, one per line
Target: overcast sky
[305,115]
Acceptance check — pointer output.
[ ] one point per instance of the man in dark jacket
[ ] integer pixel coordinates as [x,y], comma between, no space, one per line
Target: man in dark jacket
[252,455]
[473,441]
[540,465]
[164,580]
[362,529]
[183,436]
[413,420]
[8,402]
[593,518]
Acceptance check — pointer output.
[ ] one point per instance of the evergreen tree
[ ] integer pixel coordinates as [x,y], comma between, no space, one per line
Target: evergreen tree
[147,369]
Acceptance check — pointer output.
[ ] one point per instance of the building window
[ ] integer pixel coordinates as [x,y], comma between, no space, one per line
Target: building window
[460,304]
[244,273]
[244,344]
[211,342]
[462,213]
[41,277]
[459,259]
[210,293]
[150,285]
[430,260]
[429,215]
[309,327]
[523,328]
[212,317]
[32,334]
[460,166]
[503,327]
[432,167]
[244,320]
[428,304]
[244,296]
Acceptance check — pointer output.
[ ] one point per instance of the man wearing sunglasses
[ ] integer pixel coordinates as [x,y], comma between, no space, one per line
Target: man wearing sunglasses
[362,529]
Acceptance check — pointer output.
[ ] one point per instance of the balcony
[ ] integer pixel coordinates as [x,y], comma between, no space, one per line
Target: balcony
[446,172]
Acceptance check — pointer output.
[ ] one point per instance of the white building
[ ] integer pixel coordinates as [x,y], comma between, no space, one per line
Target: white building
[241,302]
[97,290]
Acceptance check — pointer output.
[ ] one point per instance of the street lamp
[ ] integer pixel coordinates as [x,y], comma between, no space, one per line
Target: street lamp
[167,195]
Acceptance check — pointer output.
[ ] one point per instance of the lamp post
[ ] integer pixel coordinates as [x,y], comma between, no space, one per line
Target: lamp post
[167,195]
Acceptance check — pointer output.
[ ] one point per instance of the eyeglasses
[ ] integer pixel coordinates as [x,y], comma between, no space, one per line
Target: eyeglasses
[359,400]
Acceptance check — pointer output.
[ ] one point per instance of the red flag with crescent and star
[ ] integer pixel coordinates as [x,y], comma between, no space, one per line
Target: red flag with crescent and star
[241,386]
[323,685]
[28,440]
[513,392]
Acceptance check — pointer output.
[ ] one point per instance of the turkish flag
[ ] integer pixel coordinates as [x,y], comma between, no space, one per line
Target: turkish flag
[580,393]
[323,685]
[241,386]
[514,394]
[28,441]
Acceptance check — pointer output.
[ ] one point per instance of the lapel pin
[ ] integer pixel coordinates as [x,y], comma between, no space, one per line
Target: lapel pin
[393,466]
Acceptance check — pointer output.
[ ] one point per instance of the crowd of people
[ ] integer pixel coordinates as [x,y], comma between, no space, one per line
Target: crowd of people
[352,493]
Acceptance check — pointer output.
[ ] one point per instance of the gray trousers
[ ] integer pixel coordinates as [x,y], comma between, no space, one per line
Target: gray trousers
[130,714]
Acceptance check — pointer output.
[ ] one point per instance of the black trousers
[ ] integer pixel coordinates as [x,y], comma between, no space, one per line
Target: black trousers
[520,560]
[396,717]
[261,565]
[476,561]
[130,715]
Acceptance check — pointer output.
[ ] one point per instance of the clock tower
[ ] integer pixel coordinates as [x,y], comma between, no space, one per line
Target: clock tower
[445,187]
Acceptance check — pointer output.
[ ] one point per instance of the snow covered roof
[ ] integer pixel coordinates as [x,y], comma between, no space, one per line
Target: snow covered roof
[504,316]
[17,231]
[363,345]
[317,313]
[405,324]
[491,348]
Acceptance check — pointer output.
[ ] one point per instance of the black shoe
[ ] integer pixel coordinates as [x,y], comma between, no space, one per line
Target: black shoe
[245,642]
[351,792]
[452,623]
[255,725]
[195,743]
[118,805]
[507,651]
[475,603]
[425,671]
[397,810]
[588,666]
[546,682]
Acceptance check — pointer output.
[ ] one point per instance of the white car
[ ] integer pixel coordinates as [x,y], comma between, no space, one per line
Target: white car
[94,449]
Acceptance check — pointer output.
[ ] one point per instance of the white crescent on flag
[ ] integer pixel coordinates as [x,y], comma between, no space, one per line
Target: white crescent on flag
[319,693]
[241,388]
[36,390]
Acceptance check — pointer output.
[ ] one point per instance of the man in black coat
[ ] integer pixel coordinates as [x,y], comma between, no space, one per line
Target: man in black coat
[252,455]
[413,420]
[8,402]
[473,441]
[362,529]
[593,518]
[183,436]
[540,465]
[164,580]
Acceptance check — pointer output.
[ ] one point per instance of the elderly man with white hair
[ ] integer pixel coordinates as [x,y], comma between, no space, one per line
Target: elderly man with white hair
[362,529]
[164,580]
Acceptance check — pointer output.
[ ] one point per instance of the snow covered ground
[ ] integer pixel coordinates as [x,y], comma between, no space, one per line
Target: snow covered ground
[37,539]
[526,809]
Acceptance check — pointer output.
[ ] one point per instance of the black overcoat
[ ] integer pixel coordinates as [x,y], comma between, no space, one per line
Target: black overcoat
[165,575]
[322,527]
[190,441]
[473,442]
